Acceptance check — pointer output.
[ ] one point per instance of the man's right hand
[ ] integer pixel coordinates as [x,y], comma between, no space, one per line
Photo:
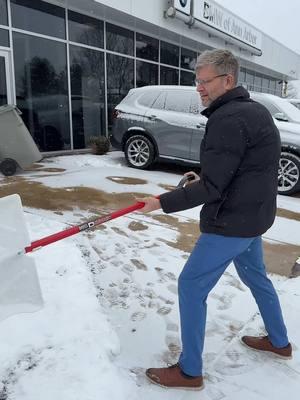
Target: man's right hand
[194,176]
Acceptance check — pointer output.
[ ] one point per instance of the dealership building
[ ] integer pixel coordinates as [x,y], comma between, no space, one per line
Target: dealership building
[67,63]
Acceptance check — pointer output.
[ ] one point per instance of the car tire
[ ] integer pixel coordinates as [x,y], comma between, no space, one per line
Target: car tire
[288,174]
[8,167]
[139,152]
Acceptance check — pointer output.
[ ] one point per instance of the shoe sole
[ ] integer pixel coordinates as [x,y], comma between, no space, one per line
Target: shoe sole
[266,352]
[176,387]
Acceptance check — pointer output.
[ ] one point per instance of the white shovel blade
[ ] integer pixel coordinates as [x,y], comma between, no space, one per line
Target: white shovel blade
[20,290]
[19,284]
[13,231]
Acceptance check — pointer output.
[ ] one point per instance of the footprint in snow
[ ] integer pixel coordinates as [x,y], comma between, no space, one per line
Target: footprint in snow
[138,316]
[164,310]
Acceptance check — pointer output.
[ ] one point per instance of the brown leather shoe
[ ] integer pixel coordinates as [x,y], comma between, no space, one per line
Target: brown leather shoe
[173,377]
[262,343]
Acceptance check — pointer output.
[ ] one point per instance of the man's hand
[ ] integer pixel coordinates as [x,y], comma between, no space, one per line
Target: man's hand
[194,175]
[151,204]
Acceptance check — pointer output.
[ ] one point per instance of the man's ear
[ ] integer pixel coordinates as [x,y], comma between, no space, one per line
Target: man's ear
[230,82]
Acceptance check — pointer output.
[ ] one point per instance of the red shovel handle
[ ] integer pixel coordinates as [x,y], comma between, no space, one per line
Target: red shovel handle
[88,225]
[79,228]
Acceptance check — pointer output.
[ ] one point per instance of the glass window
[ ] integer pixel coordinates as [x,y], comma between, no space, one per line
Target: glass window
[272,84]
[148,98]
[270,106]
[168,76]
[4,38]
[119,39]
[146,74]
[188,59]
[178,100]
[242,75]
[3,13]
[86,30]
[42,91]
[159,103]
[146,47]
[38,16]
[169,54]
[265,84]
[87,95]
[258,81]
[250,80]
[187,78]
[3,89]
[119,80]
[196,104]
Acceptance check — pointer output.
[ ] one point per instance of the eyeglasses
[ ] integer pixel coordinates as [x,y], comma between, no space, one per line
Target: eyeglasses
[203,82]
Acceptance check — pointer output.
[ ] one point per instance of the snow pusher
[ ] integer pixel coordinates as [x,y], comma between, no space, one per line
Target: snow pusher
[19,283]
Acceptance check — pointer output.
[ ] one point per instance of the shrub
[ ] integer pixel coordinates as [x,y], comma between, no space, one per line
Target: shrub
[99,144]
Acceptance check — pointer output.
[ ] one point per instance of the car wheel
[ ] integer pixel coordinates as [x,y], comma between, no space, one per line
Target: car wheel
[139,152]
[8,167]
[288,174]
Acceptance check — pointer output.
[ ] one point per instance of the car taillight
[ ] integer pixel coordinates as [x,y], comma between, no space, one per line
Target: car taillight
[115,113]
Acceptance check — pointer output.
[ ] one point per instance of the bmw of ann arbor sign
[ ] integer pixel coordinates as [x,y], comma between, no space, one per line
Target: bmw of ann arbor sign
[183,6]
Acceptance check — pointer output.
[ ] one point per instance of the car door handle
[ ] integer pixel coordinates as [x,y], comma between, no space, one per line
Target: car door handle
[200,125]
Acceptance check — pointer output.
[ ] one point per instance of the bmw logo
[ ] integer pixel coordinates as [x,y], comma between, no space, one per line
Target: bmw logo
[183,3]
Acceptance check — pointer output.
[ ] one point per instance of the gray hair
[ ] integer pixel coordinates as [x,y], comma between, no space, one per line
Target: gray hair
[223,61]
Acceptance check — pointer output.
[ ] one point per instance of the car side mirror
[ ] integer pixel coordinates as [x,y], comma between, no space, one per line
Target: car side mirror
[281,117]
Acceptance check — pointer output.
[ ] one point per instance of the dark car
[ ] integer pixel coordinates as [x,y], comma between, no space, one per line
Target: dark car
[164,123]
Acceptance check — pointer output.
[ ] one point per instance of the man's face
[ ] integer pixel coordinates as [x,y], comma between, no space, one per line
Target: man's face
[211,84]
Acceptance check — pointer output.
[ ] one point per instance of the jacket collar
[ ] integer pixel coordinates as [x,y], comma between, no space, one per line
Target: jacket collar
[236,93]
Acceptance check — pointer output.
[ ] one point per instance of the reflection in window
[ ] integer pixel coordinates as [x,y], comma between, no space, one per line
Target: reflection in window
[38,16]
[3,13]
[168,76]
[87,88]
[187,78]
[169,54]
[146,74]
[4,38]
[146,47]
[119,80]
[119,39]
[188,58]
[86,30]
[41,89]
[3,90]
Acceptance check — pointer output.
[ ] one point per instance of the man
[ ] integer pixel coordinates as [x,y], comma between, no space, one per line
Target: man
[238,185]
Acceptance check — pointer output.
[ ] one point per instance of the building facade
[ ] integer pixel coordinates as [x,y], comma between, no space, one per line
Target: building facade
[67,63]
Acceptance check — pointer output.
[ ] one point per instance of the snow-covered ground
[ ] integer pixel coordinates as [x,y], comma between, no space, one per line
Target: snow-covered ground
[110,302]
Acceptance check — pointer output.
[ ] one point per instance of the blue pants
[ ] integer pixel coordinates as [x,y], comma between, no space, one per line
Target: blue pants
[210,257]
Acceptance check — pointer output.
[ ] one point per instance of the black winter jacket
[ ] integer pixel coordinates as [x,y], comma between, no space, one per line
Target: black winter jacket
[239,159]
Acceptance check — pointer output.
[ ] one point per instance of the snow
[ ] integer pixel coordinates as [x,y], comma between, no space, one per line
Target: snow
[111,308]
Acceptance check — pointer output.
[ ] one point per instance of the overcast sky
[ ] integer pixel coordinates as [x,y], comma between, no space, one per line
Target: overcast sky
[279,19]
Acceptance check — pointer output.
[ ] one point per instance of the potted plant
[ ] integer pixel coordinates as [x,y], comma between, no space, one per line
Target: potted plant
[99,144]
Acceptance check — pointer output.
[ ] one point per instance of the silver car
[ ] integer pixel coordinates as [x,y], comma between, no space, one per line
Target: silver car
[164,123]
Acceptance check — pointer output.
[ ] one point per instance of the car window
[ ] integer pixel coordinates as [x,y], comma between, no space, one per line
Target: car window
[148,98]
[270,106]
[159,103]
[178,100]
[196,105]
